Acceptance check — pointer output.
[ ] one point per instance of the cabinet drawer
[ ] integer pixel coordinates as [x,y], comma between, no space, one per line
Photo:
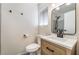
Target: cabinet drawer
[52,49]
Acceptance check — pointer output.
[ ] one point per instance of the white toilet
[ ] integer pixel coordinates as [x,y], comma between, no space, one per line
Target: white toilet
[33,47]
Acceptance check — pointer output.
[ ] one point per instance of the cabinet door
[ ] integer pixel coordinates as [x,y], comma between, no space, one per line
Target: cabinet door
[51,49]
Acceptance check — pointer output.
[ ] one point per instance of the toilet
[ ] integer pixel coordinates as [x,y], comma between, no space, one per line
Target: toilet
[33,47]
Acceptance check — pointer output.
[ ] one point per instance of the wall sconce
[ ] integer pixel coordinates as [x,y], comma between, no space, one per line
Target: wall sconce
[68,3]
[53,5]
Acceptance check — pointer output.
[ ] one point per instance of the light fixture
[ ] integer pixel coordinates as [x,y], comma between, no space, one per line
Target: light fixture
[58,8]
[68,3]
[53,5]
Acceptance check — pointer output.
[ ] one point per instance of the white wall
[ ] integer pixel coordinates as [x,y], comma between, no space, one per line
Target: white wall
[43,29]
[77,26]
[14,25]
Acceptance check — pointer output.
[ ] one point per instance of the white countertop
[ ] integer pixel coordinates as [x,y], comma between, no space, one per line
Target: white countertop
[67,41]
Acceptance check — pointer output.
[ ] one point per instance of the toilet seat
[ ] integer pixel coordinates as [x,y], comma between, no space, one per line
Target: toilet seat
[32,47]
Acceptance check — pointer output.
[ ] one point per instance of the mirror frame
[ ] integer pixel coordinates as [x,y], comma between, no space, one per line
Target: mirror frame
[75,20]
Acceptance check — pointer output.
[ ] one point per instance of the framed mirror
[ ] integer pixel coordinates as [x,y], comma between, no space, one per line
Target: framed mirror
[64,18]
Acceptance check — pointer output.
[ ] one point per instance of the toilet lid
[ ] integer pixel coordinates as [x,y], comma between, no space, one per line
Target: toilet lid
[32,47]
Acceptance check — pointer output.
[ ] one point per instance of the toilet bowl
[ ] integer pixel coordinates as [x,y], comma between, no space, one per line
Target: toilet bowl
[33,47]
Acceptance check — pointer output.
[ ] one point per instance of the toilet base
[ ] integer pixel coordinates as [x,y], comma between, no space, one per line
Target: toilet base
[33,53]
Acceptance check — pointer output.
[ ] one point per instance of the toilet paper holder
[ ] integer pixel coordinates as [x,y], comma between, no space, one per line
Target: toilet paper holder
[26,35]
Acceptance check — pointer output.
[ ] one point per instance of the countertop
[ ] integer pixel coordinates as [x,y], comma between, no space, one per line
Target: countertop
[67,42]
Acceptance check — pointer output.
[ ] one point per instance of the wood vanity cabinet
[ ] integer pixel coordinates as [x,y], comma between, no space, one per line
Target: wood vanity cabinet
[48,48]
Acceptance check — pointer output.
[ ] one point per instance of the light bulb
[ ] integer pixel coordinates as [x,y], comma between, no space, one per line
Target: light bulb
[53,5]
[68,3]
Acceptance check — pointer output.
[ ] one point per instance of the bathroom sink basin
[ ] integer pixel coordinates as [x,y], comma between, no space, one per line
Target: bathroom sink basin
[57,38]
[65,38]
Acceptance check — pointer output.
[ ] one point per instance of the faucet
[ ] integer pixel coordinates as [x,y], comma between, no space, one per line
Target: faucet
[60,33]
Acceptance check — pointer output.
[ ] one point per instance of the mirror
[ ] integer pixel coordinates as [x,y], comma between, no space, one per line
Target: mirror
[63,18]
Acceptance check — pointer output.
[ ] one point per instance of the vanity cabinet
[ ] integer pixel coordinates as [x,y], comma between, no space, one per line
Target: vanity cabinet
[48,48]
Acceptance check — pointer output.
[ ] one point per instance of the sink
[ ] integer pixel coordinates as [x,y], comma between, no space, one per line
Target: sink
[57,38]
[67,41]
[64,39]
